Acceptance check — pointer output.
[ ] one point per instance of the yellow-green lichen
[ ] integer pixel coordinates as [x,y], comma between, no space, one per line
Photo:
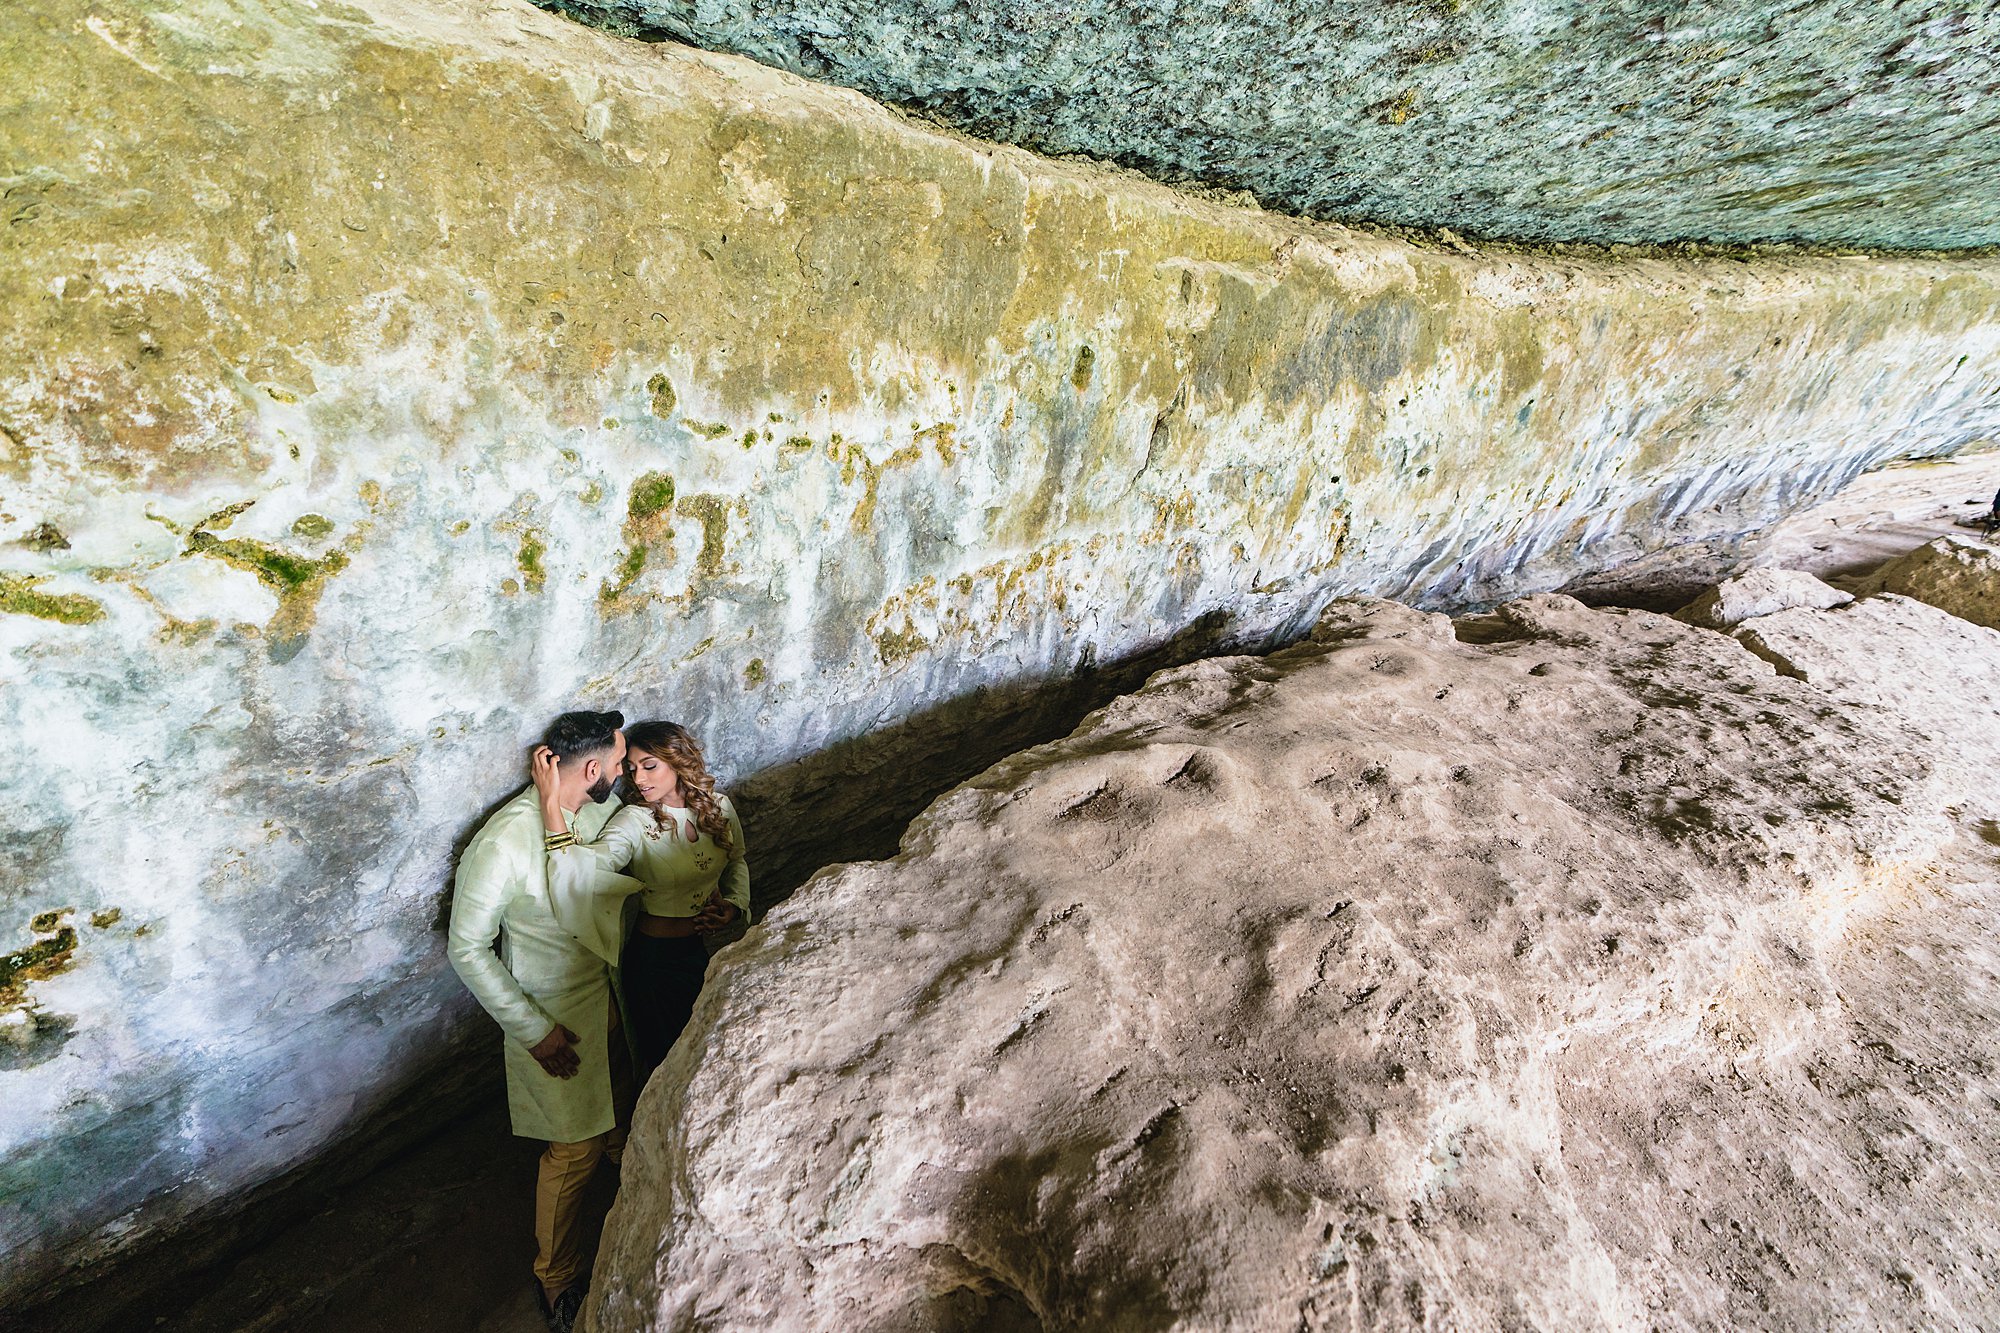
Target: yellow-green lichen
[107,918]
[651,495]
[220,520]
[753,673]
[629,569]
[713,512]
[529,559]
[50,953]
[713,430]
[175,630]
[592,494]
[297,579]
[944,438]
[663,397]
[312,526]
[281,571]
[898,645]
[799,444]
[1079,373]
[18,595]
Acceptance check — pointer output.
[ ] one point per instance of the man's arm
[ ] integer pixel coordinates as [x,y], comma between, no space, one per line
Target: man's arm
[479,898]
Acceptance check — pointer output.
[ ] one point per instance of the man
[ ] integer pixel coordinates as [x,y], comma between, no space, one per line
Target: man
[549,991]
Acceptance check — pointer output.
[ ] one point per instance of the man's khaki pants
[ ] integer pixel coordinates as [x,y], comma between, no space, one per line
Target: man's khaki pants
[563,1174]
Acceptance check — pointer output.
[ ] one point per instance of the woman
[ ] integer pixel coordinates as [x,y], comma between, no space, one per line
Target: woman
[682,841]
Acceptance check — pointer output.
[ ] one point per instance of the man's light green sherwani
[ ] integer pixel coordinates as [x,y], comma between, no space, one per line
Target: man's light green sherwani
[543,975]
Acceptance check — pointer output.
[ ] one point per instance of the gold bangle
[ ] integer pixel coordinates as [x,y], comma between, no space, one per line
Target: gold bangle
[557,841]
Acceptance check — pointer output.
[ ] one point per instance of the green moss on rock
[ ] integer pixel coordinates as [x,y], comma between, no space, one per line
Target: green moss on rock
[19,595]
[529,559]
[651,495]
[663,397]
[47,956]
[629,568]
[1086,361]
[713,512]
[281,571]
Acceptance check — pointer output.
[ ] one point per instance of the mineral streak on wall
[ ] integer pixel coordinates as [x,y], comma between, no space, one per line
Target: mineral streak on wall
[378,379]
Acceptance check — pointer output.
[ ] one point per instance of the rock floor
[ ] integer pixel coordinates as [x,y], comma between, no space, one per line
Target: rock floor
[436,1241]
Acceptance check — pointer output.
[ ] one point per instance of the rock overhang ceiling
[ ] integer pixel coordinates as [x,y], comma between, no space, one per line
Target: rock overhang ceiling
[1825,122]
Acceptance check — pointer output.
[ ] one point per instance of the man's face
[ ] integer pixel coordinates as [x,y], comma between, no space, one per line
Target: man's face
[607,765]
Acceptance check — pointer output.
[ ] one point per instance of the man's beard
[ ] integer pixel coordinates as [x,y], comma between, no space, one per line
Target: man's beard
[600,790]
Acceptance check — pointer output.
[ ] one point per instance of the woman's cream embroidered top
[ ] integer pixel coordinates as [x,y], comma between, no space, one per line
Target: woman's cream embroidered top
[678,863]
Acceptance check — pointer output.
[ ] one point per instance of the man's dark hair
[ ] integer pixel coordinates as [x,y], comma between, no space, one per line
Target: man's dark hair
[574,735]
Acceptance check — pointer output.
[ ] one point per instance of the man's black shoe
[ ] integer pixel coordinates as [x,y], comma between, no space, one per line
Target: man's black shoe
[561,1315]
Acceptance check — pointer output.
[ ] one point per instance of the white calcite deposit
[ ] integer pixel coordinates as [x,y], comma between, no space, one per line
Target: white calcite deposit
[1557,969]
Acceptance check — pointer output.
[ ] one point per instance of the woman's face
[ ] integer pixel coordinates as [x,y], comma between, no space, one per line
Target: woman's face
[651,776]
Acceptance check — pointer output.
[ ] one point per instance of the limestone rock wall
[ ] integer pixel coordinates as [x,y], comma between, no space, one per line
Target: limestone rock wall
[1841,121]
[378,379]
[1556,968]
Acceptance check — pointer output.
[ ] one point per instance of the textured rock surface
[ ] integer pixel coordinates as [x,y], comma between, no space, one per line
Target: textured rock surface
[1848,121]
[382,378]
[1759,592]
[1579,971]
[1955,574]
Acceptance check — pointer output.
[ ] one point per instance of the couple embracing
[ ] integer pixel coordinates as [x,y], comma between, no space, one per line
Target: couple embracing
[598,907]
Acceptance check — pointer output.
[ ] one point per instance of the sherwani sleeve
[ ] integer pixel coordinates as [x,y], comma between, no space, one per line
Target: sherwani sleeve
[587,893]
[736,875]
[479,899]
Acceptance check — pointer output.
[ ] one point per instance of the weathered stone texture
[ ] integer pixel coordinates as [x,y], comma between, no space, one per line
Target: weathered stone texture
[1573,970]
[381,378]
[1842,121]
[1759,592]
[1955,574]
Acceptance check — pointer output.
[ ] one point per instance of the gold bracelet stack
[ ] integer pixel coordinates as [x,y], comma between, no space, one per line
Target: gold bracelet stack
[555,842]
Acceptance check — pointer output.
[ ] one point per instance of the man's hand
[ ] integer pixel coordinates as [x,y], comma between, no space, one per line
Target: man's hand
[556,1053]
[716,913]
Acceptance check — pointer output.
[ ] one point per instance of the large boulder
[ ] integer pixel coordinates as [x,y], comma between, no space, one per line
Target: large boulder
[1596,974]
[1759,592]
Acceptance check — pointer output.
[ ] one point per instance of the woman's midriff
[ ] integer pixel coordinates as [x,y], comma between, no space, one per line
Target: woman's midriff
[665,927]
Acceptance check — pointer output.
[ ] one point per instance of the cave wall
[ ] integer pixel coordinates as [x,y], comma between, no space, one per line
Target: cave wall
[377,380]
[1844,122]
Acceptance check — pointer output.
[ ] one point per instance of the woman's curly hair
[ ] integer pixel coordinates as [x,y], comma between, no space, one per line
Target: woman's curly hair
[671,743]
